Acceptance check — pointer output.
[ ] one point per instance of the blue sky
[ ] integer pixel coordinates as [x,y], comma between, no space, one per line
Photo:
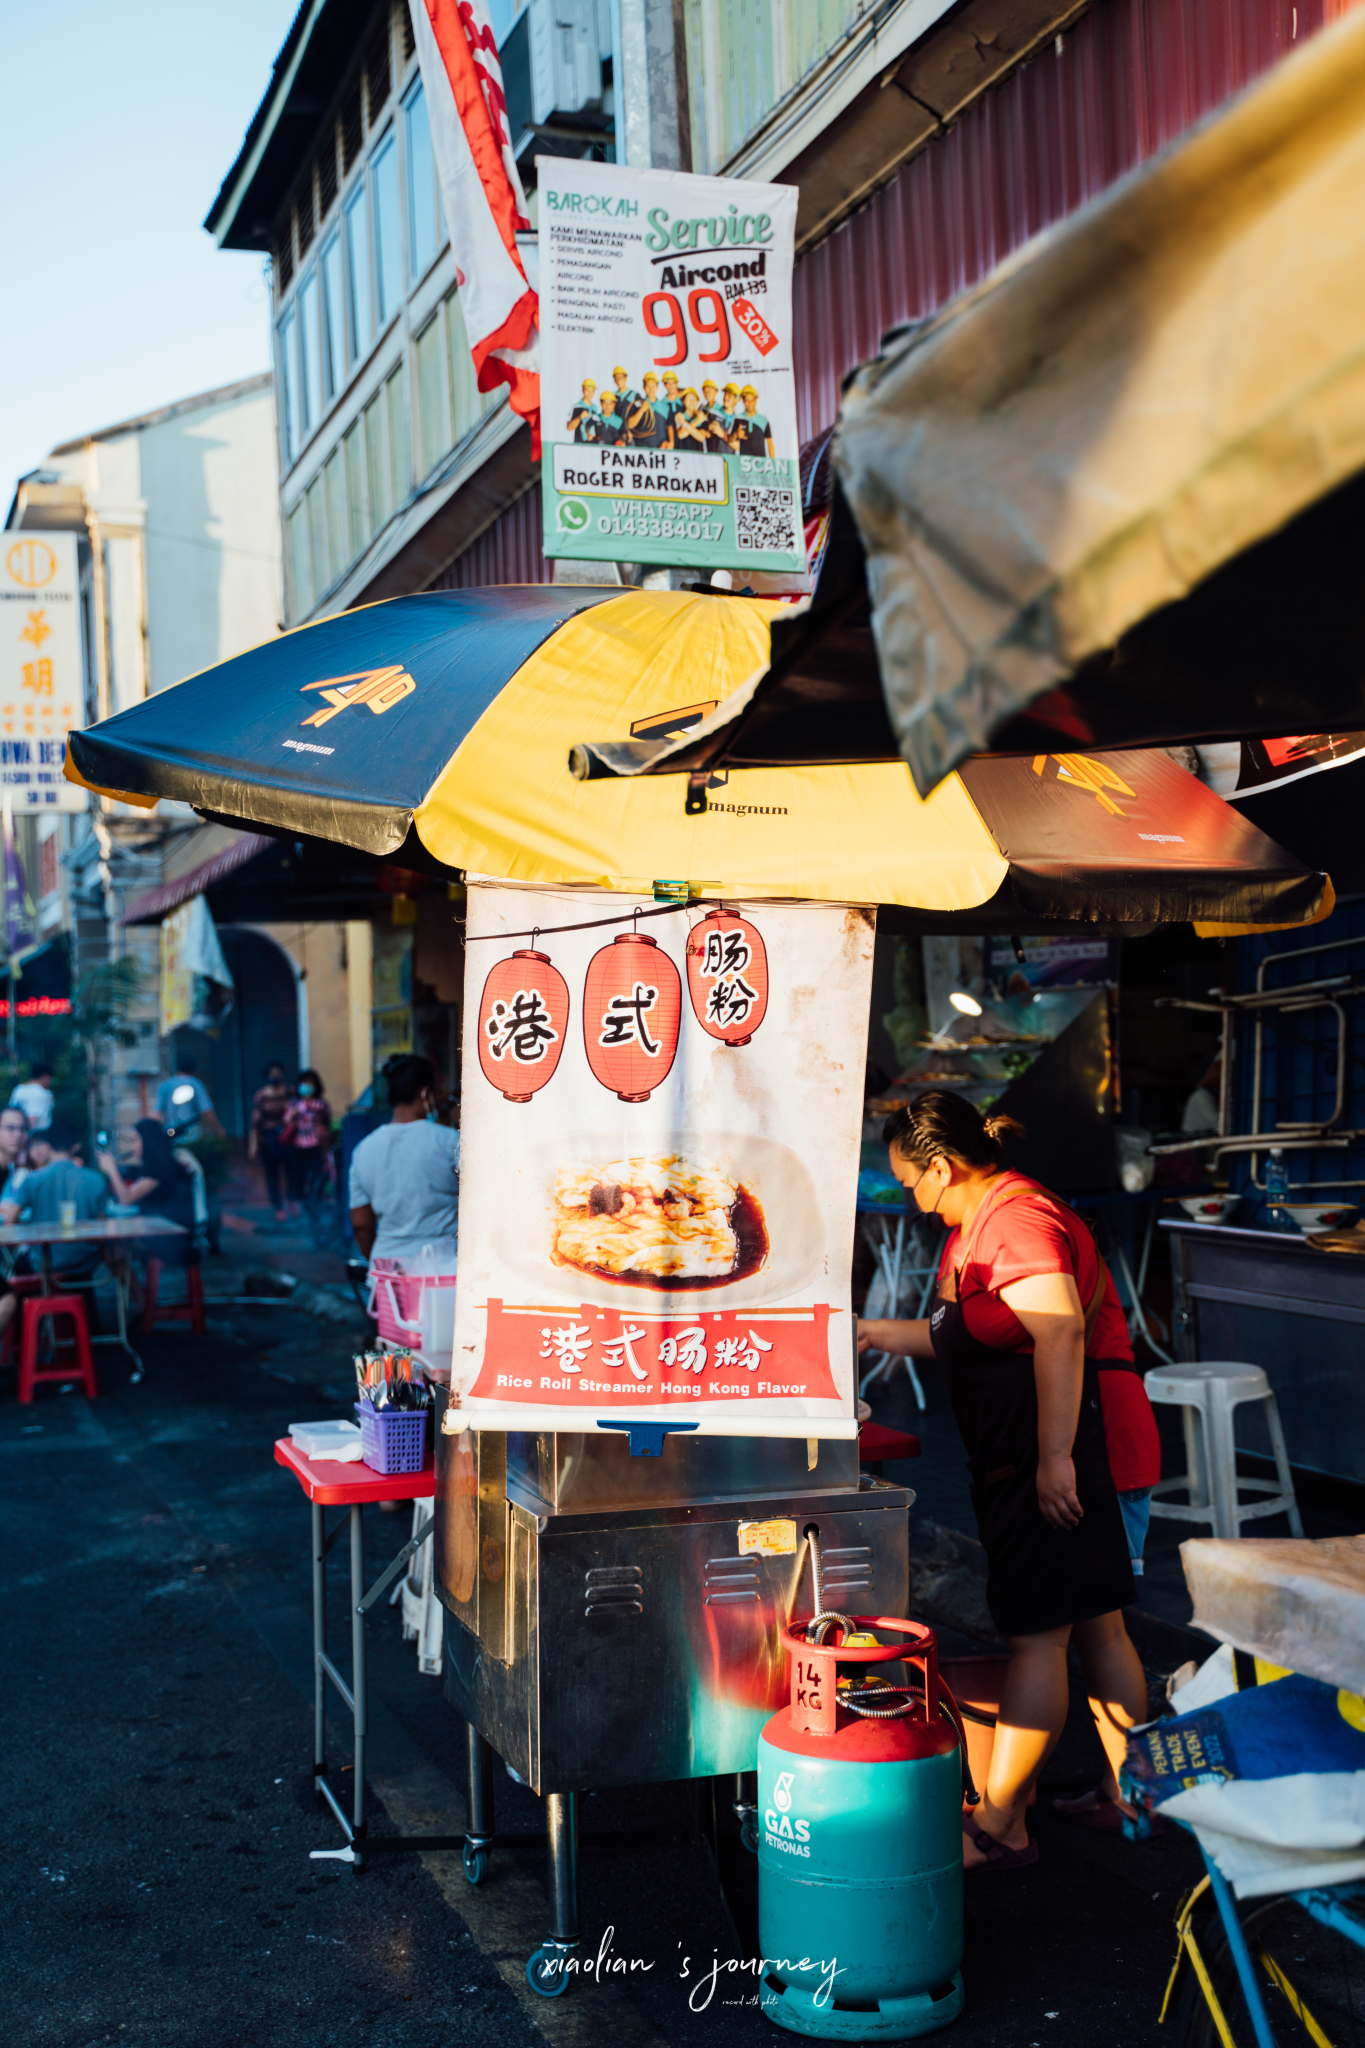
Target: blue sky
[120,122]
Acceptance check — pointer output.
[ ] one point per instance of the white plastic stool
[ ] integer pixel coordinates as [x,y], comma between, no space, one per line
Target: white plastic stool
[1210,1393]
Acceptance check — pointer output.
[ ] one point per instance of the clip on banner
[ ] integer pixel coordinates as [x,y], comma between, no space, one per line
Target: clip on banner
[659,1167]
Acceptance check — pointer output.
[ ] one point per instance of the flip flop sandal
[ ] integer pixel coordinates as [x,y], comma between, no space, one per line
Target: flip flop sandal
[997,1855]
[1105,1815]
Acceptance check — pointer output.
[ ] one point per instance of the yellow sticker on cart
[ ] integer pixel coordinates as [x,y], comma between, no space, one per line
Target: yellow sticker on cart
[767,1539]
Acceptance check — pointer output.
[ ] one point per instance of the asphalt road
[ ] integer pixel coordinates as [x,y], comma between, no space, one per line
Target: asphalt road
[157,1890]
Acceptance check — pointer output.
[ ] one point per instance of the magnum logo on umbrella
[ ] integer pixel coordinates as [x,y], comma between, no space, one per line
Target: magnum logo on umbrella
[379,688]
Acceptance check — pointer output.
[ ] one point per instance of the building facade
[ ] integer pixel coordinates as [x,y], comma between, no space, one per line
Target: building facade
[176,513]
[928,138]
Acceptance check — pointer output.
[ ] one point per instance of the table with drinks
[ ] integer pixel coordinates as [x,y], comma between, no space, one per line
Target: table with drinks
[107,1232]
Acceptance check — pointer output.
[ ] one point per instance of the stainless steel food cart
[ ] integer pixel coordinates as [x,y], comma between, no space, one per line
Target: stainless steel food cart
[616,1599]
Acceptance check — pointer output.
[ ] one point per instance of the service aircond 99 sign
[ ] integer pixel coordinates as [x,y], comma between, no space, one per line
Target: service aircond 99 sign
[668,403]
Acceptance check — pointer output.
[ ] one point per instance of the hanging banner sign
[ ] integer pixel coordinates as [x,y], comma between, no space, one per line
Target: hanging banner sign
[659,1163]
[42,686]
[668,401]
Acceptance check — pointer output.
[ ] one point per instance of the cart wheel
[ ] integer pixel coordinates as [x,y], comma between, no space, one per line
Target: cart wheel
[475,1863]
[546,1973]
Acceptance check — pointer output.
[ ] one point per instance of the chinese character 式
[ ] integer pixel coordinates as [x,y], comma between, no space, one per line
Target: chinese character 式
[625,1019]
[622,1352]
[523,1025]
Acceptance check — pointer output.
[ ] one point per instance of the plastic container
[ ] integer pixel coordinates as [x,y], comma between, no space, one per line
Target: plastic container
[336,1440]
[393,1439]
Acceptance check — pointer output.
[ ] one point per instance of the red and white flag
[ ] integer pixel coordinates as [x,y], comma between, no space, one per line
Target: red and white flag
[484,202]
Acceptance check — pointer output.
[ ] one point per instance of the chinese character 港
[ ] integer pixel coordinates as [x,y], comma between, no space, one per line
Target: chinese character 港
[568,1346]
[523,1026]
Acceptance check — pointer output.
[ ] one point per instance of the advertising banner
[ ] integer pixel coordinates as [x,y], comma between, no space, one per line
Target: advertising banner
[42,687]
[659,1161]
[668,403]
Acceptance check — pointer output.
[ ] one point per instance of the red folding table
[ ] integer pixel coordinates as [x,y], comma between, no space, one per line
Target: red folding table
[330,1484]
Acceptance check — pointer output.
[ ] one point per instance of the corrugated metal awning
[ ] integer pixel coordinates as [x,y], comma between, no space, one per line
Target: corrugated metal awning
[154,904]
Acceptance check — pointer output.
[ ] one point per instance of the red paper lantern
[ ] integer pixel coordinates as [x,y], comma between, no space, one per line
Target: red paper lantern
[727,976]
[523,1020]
[632,1006]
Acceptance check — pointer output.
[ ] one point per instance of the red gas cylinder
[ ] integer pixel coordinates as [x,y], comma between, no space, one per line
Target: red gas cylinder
[860,1843]
[523,1018]
[632,1007]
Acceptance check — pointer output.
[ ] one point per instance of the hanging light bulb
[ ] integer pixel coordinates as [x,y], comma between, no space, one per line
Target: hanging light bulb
[968,1005]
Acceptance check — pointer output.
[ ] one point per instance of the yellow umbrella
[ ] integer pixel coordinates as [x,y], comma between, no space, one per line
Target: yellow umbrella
[442,724]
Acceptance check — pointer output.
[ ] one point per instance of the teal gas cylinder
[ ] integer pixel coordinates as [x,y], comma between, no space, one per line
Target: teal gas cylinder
[860,1846]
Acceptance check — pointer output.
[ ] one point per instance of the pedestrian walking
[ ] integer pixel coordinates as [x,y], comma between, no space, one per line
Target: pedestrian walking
[268,1109]
[184,1104]
[306,1137]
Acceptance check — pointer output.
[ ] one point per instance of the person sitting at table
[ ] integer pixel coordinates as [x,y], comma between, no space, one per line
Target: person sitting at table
[13,1139]
[60,1185]
[158,1186]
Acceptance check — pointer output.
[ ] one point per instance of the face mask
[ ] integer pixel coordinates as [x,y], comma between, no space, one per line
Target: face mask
[913,1209]
[305,1088]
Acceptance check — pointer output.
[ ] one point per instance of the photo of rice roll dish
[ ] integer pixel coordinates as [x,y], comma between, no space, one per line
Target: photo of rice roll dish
[666,1222]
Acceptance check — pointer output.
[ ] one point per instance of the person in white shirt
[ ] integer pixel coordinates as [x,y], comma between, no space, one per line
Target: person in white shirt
[34,1097]
[405,1177]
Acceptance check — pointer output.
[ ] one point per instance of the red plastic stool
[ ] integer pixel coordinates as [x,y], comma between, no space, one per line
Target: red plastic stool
[876,1444]
[34,1308]
[191,1311]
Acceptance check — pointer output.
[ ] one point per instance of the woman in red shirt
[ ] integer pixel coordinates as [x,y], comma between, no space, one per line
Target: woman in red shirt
[1034,1347]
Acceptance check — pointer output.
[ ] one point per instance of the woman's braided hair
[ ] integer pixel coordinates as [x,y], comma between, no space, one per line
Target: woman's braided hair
[942,1124]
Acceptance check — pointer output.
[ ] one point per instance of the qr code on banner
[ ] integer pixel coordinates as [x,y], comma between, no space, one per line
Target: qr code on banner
[765,519]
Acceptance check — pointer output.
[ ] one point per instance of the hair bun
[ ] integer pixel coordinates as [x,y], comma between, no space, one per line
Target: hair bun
[998,1127]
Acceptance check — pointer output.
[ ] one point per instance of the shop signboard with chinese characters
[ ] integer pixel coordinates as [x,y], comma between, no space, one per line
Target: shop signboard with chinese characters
[659,1162]
[42,687]
[668,401]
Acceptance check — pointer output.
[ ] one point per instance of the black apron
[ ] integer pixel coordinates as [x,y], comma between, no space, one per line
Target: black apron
[1038,1577]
